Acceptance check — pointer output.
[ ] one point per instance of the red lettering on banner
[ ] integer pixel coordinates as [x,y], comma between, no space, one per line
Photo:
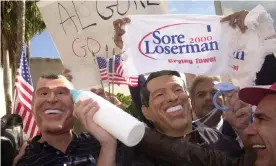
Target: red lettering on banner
[200,39]
[206,60]
[181,61]
[235,67]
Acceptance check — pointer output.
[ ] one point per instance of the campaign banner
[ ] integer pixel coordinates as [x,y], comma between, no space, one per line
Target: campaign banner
[193,44]
[200,45]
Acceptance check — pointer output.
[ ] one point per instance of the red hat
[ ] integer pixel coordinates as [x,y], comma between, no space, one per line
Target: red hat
[253,95]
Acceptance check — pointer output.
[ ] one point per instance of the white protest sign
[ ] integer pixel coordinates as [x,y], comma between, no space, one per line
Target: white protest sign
[80,28]
[187,43]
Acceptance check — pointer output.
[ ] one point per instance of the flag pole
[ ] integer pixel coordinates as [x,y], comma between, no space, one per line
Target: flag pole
[113,68]
[106,54]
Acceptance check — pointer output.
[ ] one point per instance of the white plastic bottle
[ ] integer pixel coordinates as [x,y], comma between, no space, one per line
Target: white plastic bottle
[115,121]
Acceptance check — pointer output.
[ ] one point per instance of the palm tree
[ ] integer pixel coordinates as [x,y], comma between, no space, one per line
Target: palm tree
[20,22]
[34,24]
[9,24]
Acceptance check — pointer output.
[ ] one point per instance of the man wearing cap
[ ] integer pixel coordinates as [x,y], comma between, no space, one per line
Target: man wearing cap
[260,135]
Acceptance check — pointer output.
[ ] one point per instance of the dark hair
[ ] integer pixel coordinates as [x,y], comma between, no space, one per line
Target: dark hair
[144,92]
[50,76]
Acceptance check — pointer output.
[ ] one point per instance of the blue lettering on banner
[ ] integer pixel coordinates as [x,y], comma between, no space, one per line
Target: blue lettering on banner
[208,28]
[176,44]
[239,55]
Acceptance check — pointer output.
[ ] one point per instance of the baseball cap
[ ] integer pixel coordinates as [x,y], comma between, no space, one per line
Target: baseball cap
[253,95]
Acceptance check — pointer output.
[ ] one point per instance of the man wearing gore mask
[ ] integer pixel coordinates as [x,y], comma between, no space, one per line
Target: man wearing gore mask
[54,111]
[260,135]
[166,108]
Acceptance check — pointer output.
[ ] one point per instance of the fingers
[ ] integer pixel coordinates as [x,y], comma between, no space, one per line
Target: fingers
[232,21]
[231,18]
[242,121]
[118,26]
[20,154]
[231,93]
[121,22]
[227,18]
[85,110]
[237,104]
[240,22]
[239,119]
[82,106]
[231,97]
[244,111]
[237,19]
[90,114]
[119,32]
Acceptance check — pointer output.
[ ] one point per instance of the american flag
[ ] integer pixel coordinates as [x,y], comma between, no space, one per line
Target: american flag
[102,65]
[118,65]
[115,75]
[23,98]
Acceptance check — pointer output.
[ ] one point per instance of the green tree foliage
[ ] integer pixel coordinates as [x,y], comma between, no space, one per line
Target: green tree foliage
[20,22]
[128,104]
[125,100]
[34,23]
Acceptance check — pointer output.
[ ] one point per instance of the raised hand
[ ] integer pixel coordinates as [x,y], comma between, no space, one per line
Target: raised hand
[84,111]
[238,115]
[119,31]
[237,18]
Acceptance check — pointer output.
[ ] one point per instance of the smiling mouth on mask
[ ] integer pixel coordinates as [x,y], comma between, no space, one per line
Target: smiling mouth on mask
[53,112]
[174,109]
[258,146]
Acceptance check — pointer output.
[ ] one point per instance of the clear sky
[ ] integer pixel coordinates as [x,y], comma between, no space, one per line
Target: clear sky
[43,46]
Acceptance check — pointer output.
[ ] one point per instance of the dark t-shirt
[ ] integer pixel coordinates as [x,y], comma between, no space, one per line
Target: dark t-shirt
[82,151]
[206,138]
